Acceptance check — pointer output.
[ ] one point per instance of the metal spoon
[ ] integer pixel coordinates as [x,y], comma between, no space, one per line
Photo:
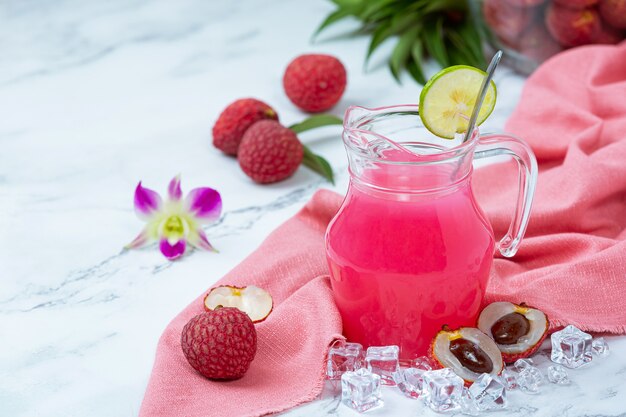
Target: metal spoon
[482,93]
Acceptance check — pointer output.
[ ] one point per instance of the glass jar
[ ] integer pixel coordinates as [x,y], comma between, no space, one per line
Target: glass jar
[531,31]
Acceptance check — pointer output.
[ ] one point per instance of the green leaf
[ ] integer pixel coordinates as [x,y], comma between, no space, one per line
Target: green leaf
[335,16]
[380,35]
[414,65]
[402,51]
[318,164]
[433,39]
[373,7]
[313,122]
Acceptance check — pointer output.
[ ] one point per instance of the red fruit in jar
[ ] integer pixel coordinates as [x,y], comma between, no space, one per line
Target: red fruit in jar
[614,12]
[525,3]
[572,27]
[220,344]
[315,82]
[236,119]
[269,152]
[506,21]
[576,4]
[609,35]
[537,44]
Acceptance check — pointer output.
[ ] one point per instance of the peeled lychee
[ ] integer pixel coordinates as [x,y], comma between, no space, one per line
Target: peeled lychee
[254,301]
[572,27]
[518,330]
[269,152]
[220,344]
[236,119]
[506,21]
[537,44]
[614,12]
[315,82]
[576,4]
[467,351]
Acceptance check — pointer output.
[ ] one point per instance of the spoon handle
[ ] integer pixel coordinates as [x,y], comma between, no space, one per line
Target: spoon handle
[491,69]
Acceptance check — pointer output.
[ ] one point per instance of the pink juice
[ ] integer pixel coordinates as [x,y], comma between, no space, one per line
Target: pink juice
[409,251]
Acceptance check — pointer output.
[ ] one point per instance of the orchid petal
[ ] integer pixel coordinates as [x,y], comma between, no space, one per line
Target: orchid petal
[205,204]
[198,239]
[141,240]
[170,251]
[147,202]
[173,189]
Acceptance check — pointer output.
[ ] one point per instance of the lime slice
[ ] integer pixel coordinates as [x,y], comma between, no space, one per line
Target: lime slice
[448,98]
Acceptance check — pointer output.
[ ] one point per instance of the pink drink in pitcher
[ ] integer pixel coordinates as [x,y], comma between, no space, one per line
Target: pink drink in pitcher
[410,250]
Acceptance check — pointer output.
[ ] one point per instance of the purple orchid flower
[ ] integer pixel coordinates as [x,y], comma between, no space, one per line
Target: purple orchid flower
[176,222]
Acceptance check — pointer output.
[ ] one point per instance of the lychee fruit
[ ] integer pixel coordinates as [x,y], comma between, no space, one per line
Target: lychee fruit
[315,82]
[254,301]
[537,44]
[572,27]
[236,119]
[614,12]
[269,152]
[608,35]
[220,344]
[518,330]
[576,4]
[506,21]
[467,351]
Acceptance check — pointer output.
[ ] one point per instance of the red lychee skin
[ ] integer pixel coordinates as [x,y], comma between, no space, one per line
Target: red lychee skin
[537,44]
[506,21]
[236,119]
[269,152]
[315,82]
[220,344]
[525,3]
[614,12]
[609,35]
[571,27]
[576,4]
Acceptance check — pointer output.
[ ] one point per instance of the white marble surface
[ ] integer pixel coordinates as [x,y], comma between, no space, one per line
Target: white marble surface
[95,96]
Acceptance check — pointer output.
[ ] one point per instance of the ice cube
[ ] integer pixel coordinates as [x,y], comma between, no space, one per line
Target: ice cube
[530,379]
[383,361]
[468,405]
[523,363]
[442,390]
[410,381]
[423,363]
[488,392]
[508,378]
[599,347]
[558,375]
[343,358]
[571,347]
[360,390]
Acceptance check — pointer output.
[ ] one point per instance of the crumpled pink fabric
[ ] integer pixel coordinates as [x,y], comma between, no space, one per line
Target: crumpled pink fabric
[292,342]
[572,263]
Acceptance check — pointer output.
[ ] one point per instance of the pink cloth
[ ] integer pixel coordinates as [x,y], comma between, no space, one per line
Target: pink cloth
[288,368]
[572,263]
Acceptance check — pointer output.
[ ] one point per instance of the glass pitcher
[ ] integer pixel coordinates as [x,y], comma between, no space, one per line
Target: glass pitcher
[410,250]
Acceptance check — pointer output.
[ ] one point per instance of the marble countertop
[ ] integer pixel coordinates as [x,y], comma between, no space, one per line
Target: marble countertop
[95,96]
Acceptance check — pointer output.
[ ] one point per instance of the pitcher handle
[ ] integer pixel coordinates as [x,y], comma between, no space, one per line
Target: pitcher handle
[505,144]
